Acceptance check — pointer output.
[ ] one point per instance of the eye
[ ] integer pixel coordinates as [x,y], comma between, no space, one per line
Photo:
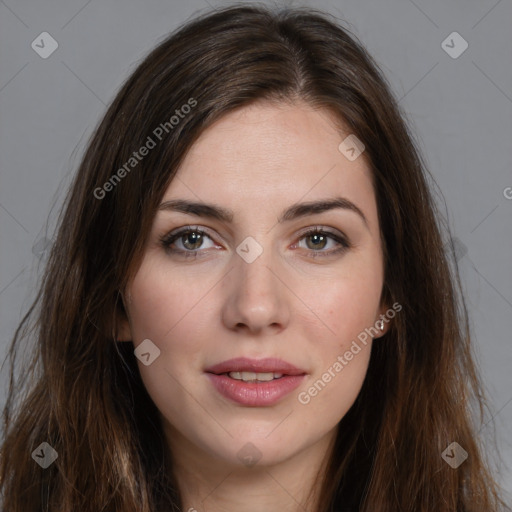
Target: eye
[188,240]
[317,239]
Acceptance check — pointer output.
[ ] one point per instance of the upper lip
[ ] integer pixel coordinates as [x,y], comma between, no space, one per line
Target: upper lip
[244,364]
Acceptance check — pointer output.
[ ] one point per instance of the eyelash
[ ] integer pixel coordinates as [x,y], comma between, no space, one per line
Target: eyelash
[167,240]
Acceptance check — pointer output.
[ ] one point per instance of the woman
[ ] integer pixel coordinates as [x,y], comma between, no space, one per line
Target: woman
[248,306]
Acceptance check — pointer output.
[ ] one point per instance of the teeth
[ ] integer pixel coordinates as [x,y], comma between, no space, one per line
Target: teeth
[255,377]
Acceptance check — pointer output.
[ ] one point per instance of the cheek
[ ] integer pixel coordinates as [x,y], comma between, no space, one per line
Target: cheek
[343,310]
[166,307]
[341,356]
[328,395]
[173,310]
[348,303]
[164,302]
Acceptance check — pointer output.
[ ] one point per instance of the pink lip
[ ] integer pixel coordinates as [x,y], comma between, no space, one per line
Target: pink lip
[244,364]
[255,394]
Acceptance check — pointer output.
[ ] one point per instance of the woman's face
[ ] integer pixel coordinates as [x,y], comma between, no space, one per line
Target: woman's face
[247,281]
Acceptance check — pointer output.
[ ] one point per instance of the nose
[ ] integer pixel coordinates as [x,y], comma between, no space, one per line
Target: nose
[257,299]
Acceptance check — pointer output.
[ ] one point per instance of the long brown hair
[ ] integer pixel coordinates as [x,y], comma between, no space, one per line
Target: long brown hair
[81,392]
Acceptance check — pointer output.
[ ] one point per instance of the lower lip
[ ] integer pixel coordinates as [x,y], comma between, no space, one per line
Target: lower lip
[255,394]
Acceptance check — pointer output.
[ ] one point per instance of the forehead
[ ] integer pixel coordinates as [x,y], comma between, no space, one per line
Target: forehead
[271,155]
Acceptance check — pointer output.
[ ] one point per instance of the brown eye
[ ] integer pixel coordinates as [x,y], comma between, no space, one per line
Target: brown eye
[316,240]
[186,241]
[192,240]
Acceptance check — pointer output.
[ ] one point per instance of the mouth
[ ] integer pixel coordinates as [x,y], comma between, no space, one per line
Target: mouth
[255,383]
[254,377]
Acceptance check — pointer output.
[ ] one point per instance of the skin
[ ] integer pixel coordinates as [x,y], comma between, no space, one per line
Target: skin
[306,310]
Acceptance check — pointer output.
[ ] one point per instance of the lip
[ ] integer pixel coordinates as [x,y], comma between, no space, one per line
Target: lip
[255,394]
[244,364]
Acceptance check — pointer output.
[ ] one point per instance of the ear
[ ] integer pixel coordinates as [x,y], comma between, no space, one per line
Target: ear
[384,319]
[123,328]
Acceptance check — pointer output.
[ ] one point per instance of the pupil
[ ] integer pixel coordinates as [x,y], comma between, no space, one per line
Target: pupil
[318,238]
[194,239]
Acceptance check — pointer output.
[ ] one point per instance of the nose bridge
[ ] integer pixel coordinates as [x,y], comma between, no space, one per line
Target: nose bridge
[256,297]
[253,271]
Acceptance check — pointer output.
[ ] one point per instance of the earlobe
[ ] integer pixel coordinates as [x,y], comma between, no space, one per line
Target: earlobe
[382,323]
[386,315]
[383,326]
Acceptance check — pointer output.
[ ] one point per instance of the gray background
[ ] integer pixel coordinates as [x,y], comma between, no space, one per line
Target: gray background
[460,109]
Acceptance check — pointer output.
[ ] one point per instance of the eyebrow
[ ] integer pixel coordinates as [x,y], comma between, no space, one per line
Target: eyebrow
[295,211]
